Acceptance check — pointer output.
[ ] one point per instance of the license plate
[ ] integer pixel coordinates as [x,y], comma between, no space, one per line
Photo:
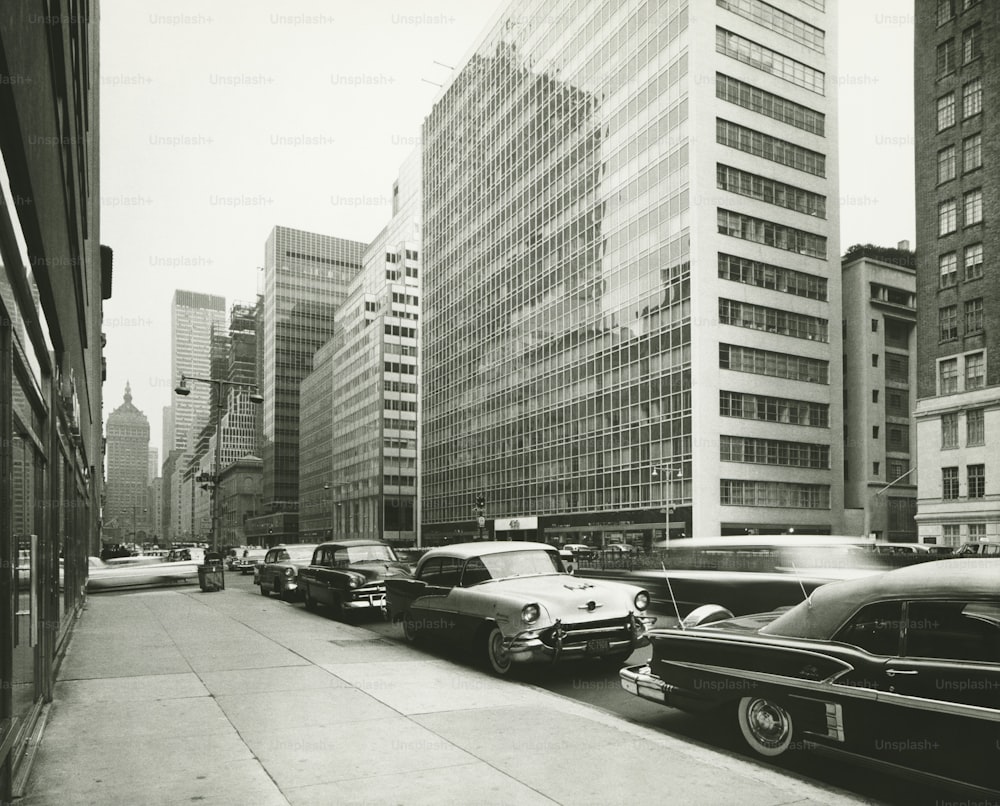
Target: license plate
[598,646]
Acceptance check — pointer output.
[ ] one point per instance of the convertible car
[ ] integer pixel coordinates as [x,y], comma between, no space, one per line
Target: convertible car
[348,576]
[516,602]
[900,670]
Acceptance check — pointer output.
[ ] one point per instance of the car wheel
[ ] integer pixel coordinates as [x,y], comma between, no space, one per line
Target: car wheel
[766,725]
[264,591]
[409,628]
[337,609]
[497,654]
[310,603]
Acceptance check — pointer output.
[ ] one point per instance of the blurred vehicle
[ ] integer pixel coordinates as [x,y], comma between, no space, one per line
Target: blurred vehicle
[514,603]
[619,548]
[104,575]
[248,559]
[186,553]
[941,551]
[979,548]
[349,575]
[901,548]
[279,571]
[580,550]
[899,669]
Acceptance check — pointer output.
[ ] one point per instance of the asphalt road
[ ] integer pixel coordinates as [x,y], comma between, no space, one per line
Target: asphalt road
[600,687]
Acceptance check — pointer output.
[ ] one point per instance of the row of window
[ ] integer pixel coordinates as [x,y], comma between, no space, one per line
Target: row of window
[769,233]
[770,61]
[766,275]
[975,482]
[744,493]
[948,319]
[972,158]
[974,377]
[751,450]
[766,103]
[775,19]
[770,191]
[946,9]
[975,429]
[972,262]
[773,320]
[948,53]
[769,148]
[972,212]
[772,364]
[972,104]
[773,409]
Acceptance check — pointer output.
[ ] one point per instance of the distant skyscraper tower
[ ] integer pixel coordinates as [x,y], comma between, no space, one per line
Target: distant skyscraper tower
[632,274]
[126,508]
[306,276]
[957,124]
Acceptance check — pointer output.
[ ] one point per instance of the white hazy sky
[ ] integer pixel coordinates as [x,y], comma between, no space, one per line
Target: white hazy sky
[221,120]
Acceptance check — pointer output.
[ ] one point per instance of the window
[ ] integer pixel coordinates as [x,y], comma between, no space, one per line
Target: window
[974,261]
[948,376]
[948,323]
[874,325]
[972,202]
[975,371]
[972,153]
[771,233]
[897,368]
[972,43]
[949,483]
[899,437]
[770,191]
[948,268]
[773,62]
[952,630]
[972,101]
[949,431]
[946,164]
[874,395]
[874,359]
[777,20]
[770,148]
[897,469]
[976,479]
[774,106]
[946,58]
[975,427]
[973,315]
[947,217]
[874,629]
[767,275]
[977,531]
[945,11]
[946,111]
[875,468]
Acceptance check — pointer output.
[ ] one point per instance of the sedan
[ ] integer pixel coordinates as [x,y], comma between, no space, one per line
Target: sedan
[514,602]
[900,670]
[349,576]
[279,572]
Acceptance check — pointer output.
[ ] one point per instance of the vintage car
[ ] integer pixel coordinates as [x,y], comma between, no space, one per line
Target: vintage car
[349,576]
[580,550]
[979,548]
[900,670]
[279,572]
[103,575]
[514,602]
[247,561]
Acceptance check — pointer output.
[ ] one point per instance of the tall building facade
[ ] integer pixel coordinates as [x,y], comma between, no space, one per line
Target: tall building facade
[631,269]
[127,516]
[359,471]
[880,388]
[306,276]
[956,74]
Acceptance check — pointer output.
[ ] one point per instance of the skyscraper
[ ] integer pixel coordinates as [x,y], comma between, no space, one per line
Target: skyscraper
[127,516]
[631,267]
[956,68]
[306,276]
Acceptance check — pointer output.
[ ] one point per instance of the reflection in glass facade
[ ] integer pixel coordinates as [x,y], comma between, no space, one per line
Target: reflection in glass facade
[571,352]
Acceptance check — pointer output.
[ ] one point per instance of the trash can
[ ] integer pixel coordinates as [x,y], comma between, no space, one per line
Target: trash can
[211,576]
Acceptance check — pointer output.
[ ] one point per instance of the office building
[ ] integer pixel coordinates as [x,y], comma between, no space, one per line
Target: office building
[880,384]
[956,68]
[126,506]
[631,267]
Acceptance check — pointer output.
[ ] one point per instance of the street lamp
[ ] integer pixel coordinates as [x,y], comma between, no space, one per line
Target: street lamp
[669,474]
[183,390]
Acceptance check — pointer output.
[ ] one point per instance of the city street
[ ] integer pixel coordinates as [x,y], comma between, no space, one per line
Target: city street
[598,687]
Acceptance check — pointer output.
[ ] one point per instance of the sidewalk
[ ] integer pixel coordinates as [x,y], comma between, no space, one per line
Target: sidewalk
[180,696]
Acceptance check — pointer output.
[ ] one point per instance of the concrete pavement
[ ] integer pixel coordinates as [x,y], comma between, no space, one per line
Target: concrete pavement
[179,696]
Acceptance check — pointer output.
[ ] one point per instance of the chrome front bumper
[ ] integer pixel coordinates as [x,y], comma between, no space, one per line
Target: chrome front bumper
[528,646]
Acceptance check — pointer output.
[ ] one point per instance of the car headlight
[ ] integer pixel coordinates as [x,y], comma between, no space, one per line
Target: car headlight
[289,572]
[641,600]
[357,580]
[530,613]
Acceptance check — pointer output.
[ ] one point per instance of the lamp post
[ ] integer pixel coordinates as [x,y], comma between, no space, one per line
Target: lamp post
[669,474]
[213,478]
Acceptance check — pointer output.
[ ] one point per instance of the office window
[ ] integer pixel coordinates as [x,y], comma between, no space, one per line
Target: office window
[977,531]
[972,101]
[766,103]
[874,325]
[976,480]
[972,152]
[945,11]
[874,359]
[951,533]
[973,315]
[876,466]
[948,323]
[770,148]
[777,20]
[948,376]
[946,164]
[771,61]
[947,217]
[948,269]
[874,395]
[975,371]
[875,432]
[949,431]
[972,203]
[949,482]
[897,469]
[897,403]
[946,111]
[946,58]
[975,427]
[974,261]
[972,43]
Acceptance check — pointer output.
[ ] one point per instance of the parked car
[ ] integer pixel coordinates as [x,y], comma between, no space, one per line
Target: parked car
[900,668]
[580,550]
[979,548]
[349,576]
[279,572]
[514,602]
[250,558]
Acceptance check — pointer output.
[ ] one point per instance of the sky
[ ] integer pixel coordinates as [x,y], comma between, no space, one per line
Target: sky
[220,121]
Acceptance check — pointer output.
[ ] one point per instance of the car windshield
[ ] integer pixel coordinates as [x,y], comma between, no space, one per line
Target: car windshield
[295,553]
[363,554]
[520,563]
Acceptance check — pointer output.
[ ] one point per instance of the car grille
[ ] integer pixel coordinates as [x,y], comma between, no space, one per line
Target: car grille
[618,629]
[363,593]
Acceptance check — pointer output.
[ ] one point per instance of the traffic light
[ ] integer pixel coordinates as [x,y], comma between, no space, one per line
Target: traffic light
[481,501]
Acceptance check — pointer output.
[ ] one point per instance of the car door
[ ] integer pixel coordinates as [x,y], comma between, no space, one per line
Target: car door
[266,578]
[434,610]
[319,574]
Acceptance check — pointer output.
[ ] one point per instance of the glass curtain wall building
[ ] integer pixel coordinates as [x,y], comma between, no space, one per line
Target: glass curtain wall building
[631,266]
